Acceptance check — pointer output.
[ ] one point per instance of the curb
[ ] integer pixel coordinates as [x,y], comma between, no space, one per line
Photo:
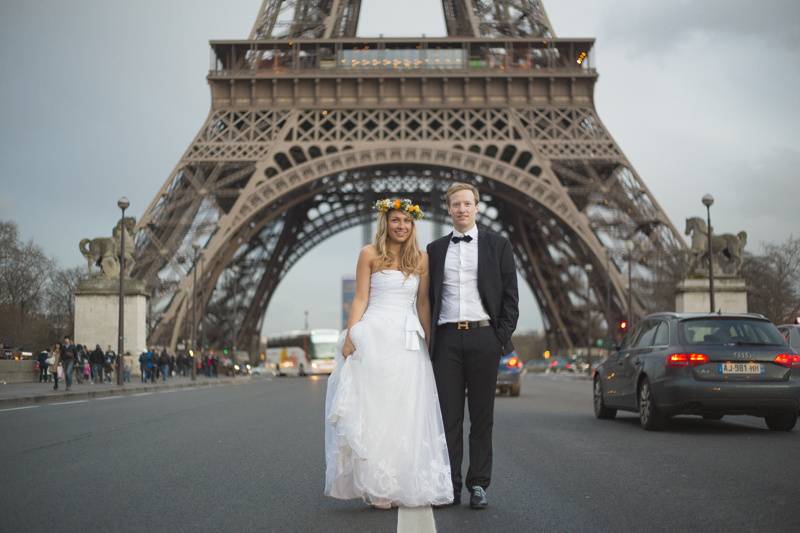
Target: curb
[122,391]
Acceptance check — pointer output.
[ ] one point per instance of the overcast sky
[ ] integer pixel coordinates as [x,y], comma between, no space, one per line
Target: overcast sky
[100,98]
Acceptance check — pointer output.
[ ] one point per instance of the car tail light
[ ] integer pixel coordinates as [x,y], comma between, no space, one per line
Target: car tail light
[788,360]
[678,360]
[514,362]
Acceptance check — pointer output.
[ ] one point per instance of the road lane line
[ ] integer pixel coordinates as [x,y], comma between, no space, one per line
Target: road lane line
[141,394]
[18,408]
[69,403]
[415,520]
[108,398]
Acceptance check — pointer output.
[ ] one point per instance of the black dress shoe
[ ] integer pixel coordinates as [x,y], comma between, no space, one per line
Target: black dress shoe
[477,498]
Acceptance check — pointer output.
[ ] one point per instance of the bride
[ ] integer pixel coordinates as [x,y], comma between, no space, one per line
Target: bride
[384,438]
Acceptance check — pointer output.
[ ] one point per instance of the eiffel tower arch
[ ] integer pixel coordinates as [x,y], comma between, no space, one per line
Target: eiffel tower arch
[309,124]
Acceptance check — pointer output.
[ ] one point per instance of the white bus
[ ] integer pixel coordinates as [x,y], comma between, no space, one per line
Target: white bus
[300,353]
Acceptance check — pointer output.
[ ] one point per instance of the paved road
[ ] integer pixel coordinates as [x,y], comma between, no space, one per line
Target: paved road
[249,457]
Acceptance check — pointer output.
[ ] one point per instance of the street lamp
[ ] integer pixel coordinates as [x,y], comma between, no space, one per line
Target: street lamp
[629,246]
[588,268]
[708,201]
[195,264]
[123,204]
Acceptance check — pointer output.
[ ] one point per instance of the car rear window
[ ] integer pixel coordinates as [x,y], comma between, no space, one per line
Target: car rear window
[711,331]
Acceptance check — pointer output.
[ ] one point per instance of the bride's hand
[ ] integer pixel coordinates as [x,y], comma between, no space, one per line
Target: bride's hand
[348,348]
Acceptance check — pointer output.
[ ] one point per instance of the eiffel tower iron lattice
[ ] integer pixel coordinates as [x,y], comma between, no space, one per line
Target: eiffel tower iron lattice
[308,123]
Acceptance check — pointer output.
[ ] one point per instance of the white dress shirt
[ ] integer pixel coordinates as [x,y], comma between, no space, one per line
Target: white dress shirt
[460,297]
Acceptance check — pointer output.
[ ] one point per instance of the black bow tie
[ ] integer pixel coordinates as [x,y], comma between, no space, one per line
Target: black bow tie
[465,238]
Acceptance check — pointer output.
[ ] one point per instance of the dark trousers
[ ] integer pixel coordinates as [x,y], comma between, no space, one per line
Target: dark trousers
[465,363]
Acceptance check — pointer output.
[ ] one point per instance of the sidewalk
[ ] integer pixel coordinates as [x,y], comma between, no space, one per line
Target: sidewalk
[26,393]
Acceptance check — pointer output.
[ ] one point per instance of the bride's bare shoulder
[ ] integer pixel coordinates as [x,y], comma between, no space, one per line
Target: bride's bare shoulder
[368,252]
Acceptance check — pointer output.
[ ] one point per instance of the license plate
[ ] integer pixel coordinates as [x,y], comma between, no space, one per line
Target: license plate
[741,368]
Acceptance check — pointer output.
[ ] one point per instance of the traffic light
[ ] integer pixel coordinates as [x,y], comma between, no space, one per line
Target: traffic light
[622,326]
[546,354]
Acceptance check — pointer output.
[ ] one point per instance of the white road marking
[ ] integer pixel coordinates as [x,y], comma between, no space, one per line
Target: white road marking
[69,403]
[415,520]
[19,408]
[108,398]
[141,394]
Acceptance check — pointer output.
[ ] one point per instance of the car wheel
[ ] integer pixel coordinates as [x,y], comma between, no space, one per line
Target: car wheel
[781,422]
[649,417]
[514,390]
[600,409]
[712,417]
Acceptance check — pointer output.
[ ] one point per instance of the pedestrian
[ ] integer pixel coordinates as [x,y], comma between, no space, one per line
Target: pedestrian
[80,357]
[163,363]
[52,361]
[150,361]
[67,357]
[55,364]
[143,366]
[87,370]
[42,359]
[127,367]
[98,360]
[110,360]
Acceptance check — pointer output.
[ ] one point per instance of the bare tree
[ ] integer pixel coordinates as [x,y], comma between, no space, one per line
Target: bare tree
[773,281]
[60,299]
[24,273]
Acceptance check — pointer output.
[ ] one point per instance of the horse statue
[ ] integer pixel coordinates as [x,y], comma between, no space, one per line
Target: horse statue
[103,252]
[728,249]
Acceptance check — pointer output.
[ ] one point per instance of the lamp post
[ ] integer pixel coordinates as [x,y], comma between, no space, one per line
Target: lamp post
[708,201]
[195,264]
[589,317]
[123,204]
[235,308]
[629,246]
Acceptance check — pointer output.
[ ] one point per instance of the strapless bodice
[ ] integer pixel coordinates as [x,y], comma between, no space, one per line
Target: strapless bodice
[392,298]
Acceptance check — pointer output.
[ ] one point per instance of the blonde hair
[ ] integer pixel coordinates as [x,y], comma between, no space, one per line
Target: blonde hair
[410,260]
[458,186]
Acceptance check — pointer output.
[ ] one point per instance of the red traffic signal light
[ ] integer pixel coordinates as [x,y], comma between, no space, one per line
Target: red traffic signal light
[622,325]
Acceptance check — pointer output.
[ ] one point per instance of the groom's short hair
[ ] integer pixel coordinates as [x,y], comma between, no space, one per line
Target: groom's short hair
[458,186]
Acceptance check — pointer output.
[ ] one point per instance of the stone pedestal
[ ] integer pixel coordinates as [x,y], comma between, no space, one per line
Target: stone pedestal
[97,315]
[730,296]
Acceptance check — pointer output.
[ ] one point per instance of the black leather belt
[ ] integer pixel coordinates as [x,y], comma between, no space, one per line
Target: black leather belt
[465,325]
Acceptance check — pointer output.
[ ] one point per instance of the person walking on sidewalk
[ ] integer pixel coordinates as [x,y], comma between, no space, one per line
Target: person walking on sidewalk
[163,363]
[87,370]
[68,351]
[97,359]
[54,362]
[42,359]
[80,357]
[127,367]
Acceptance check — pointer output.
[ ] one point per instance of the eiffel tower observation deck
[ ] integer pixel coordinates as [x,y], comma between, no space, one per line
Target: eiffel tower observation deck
[310,123]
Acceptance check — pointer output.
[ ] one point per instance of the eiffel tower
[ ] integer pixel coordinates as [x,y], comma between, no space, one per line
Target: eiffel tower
[309,123]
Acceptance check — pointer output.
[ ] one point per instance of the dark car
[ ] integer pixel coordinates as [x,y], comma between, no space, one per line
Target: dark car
[701,364]
[509,374]
[791,332]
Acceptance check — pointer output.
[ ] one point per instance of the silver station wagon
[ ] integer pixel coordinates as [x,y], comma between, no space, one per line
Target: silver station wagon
[701,364]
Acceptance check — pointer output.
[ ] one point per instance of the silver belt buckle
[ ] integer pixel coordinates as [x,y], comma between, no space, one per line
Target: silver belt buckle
[463,325]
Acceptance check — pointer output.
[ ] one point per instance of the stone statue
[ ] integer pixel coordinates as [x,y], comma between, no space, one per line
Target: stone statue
[728,250]
[103,252]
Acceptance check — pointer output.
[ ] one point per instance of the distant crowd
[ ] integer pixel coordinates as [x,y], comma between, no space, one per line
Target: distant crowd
[75,363]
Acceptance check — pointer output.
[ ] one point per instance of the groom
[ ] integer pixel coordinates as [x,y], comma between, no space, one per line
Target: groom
[473,294]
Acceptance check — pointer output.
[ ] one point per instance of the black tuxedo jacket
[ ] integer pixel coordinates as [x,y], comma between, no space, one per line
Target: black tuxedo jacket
[497,283]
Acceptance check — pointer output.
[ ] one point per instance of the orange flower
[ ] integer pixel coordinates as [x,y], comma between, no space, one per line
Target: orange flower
[397,204]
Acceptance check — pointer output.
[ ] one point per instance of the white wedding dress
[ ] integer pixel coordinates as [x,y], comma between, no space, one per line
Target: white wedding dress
[384,438]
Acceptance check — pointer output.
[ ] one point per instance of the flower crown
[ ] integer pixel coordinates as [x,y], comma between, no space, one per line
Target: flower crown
[401,204]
